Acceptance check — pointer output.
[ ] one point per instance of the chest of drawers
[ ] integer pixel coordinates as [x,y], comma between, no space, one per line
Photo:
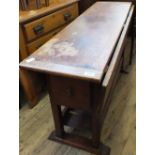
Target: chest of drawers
[35,28]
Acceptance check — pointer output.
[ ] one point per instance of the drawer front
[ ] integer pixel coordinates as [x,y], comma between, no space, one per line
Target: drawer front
[70,92]
[33,46]
[45,24]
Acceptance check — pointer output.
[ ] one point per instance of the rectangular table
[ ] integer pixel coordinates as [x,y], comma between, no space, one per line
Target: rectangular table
[82,64]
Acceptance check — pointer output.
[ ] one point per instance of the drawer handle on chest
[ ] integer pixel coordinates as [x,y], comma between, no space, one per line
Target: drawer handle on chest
[67,16]
[38,29]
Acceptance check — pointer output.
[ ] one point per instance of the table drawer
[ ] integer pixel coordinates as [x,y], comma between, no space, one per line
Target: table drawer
[45,24]
[70,92]
[33,46]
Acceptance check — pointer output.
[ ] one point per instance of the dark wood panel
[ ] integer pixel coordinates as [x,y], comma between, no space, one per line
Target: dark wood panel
[85,4]
[70,92]
[81,143]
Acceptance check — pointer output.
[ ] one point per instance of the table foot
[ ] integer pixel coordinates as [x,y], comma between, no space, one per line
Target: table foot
[81,143]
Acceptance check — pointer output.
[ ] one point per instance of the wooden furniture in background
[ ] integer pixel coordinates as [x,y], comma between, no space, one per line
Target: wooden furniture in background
[82,64]
[26,5]
[36,26]
[85,4]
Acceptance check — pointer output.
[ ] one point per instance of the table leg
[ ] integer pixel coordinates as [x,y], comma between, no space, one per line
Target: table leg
[59,129]
[96,129]
[57,115]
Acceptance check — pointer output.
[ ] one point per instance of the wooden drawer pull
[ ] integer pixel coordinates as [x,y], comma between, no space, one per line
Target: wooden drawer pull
[67,16]
[69,92]
[38,29]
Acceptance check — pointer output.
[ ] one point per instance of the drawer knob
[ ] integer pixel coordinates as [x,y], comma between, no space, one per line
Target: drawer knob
[69,92]
[67,16]
[38,29]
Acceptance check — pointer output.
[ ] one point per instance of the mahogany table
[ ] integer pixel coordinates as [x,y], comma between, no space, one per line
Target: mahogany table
[82,64]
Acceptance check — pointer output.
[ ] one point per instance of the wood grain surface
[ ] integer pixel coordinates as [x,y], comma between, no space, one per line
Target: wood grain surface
[83,48]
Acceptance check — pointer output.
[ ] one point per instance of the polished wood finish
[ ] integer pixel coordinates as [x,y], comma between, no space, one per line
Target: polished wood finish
[82,64]
[71,91]
[85,4]
[69,53]
[35,30]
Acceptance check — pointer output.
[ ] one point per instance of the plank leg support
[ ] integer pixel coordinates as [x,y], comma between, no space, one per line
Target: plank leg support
[92,145]
[81,143]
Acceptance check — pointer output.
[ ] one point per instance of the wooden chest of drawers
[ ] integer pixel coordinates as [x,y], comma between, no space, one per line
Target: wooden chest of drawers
[35,28]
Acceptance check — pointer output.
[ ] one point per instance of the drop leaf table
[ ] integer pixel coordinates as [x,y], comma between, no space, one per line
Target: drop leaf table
[82,64]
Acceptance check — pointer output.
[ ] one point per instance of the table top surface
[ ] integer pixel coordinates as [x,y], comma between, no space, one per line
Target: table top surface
[82,50]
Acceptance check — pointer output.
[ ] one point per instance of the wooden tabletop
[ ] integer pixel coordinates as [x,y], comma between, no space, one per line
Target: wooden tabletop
[54,5]
[83,49]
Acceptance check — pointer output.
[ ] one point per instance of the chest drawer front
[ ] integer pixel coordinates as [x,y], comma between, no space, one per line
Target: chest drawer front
[70,92]
[45,24]
[33,46]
